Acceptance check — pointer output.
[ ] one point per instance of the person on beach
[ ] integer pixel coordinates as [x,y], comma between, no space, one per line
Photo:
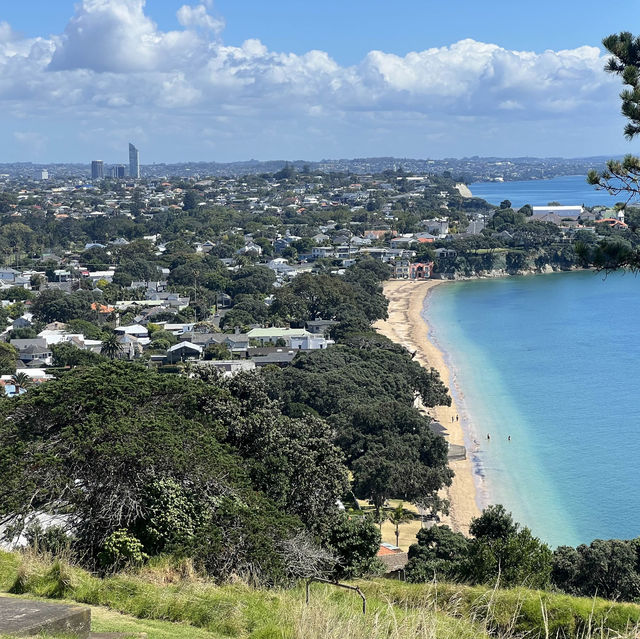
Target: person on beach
[488,436]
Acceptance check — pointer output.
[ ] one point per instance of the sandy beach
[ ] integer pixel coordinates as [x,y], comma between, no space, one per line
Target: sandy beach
[406,326]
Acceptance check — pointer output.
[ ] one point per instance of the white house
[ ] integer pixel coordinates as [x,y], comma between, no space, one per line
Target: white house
[135,330]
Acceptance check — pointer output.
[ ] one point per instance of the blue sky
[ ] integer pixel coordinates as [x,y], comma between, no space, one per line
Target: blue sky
[234,79]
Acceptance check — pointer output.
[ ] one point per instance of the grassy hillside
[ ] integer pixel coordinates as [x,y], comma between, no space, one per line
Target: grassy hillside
[168,600]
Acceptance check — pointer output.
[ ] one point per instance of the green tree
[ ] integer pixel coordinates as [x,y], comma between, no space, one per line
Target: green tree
[8,358]
[398,516]
[502,550]
[88,329]
[67,354]
[620,177]
[53,305]
[217,352]
[191,480]
[355,541]
[190,200]
[111,346]
[16,293]
[604,568]
[21,381]
[439,554]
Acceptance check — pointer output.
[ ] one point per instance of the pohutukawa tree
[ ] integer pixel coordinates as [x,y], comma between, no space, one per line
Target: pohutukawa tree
[620,177]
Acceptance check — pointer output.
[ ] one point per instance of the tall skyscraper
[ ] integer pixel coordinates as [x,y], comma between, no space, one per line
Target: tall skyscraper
[134,162]
[97,169]
[117,171]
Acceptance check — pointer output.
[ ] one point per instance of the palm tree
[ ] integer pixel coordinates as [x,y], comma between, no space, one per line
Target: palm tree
[111,347]
[21,381]
[398,516]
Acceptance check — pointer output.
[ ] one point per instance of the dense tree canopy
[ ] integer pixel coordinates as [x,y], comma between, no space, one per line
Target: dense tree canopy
[499,551]
[212,469]
[366,388]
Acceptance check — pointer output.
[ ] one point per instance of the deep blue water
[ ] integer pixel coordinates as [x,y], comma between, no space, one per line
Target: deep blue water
[554,362]
[567,189]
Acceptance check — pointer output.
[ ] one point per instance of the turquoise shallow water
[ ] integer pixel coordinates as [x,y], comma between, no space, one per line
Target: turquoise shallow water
[554,362]
[566,189]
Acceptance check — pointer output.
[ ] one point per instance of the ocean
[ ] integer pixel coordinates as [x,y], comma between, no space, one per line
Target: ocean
[566,189]
[551,361]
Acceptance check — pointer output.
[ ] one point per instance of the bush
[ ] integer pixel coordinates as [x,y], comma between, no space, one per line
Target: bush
[121,549]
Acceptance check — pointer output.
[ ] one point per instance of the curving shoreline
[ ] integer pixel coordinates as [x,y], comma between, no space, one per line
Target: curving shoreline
[407,326]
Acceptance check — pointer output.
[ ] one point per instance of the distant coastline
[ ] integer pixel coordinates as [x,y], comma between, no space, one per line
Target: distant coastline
[565,189]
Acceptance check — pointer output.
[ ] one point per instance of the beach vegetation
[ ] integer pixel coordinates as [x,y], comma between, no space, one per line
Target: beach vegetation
[607,568]
[498,551]
[366,388]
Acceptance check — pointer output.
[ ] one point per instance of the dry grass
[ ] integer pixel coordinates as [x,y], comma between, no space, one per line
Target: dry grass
[167,599]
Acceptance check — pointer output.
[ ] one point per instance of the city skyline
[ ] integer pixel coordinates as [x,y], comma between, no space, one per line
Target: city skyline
[207,81]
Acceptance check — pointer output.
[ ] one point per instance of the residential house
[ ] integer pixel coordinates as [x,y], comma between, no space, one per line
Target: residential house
[183,351]
[322,251]
[237,343]
[33,350]
[8,274]
[250,247]
[420,270]
[177,329]
[24,321]
[274,357]
[132,347]
[273,334]
[228,367]
[444,253]
[438,227]
[563,212]
[281,267]
[310,342]
[475,227]
[401,269]
[404,241]
[135,330]
[320,326]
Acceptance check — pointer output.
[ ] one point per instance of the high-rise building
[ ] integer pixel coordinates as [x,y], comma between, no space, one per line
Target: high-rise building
[134,162]
[97,169]
[117,171]
[44,174]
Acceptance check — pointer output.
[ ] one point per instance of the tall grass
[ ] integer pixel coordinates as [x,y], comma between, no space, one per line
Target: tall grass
[171,591]
[517,612]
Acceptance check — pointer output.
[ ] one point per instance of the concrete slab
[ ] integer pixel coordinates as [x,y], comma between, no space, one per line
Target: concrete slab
[25,618]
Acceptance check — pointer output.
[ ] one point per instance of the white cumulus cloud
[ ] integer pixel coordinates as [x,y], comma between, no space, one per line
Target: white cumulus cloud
[198,17]
[112,59]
